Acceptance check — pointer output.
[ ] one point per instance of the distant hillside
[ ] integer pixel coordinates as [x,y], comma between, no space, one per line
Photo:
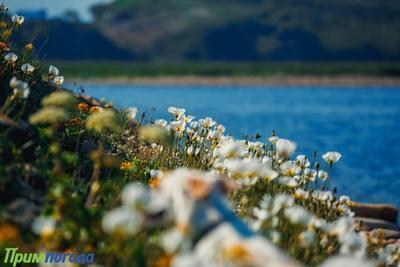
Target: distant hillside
[60,40]
[252,30]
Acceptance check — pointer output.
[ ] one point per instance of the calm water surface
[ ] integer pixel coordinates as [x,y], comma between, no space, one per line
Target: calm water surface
[362,123]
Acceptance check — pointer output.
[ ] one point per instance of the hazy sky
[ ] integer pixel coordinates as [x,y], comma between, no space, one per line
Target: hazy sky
[54,7]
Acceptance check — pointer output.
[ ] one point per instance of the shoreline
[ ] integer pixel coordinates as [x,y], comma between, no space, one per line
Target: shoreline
[276,80]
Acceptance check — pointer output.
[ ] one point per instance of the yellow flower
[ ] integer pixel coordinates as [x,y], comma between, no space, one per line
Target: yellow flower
[83,107]
[6,34]
[154,182]
[126,166]
[165,261]
[95,109]
[29,46]
[236,253]
[100,121]
[153,134]
[49,115]
[60,99]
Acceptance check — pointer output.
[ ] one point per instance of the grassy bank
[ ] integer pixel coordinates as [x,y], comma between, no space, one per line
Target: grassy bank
[104,69]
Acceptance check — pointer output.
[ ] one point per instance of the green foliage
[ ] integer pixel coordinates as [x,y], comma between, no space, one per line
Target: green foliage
[105,69]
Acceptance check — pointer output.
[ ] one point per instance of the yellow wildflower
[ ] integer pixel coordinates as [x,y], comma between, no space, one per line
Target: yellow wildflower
[100,121]
[126,166]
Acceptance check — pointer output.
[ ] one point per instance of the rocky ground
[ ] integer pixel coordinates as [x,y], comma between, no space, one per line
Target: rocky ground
[378,219]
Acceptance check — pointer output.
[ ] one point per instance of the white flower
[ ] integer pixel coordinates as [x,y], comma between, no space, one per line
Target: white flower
[44,226]
[122,219]
[298,215]
[195,125]
[186,119]
[307,238]
[289,168]
[310,174]
[353,244]
[14,82]
[220,128]
[389,255]
[275,237]
[340,227]
[135,195]
[325,196]
[207,122]
[189,150]
[10,57]
[177,112]
[261,214]
[244,168]
[268,174]
[27,68]
[280,201]
[231,149]
[323,175]
[288,181]
[161,122]
[21,88]
[301,194]
[285,148]
[178,126]
[190,132]
[17,19]
[273,139]
[255,146]
[58,80]
[344,199]
[331,157]
[3,7]
[347,261]
[132,112]
[53,71]
[172,239]
[213,135]
[156,174]
[302,161]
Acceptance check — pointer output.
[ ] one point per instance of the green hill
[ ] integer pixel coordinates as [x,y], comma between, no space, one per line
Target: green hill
[252,30]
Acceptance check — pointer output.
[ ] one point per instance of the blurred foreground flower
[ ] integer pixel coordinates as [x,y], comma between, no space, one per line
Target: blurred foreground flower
[21,88]
[154,134]
[44,226]
[62,99]
[105,119]
[347,261]
[49,115]
[285,148]
[122,220]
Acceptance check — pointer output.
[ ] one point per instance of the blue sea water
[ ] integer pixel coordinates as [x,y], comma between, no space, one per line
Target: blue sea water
[362,123]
